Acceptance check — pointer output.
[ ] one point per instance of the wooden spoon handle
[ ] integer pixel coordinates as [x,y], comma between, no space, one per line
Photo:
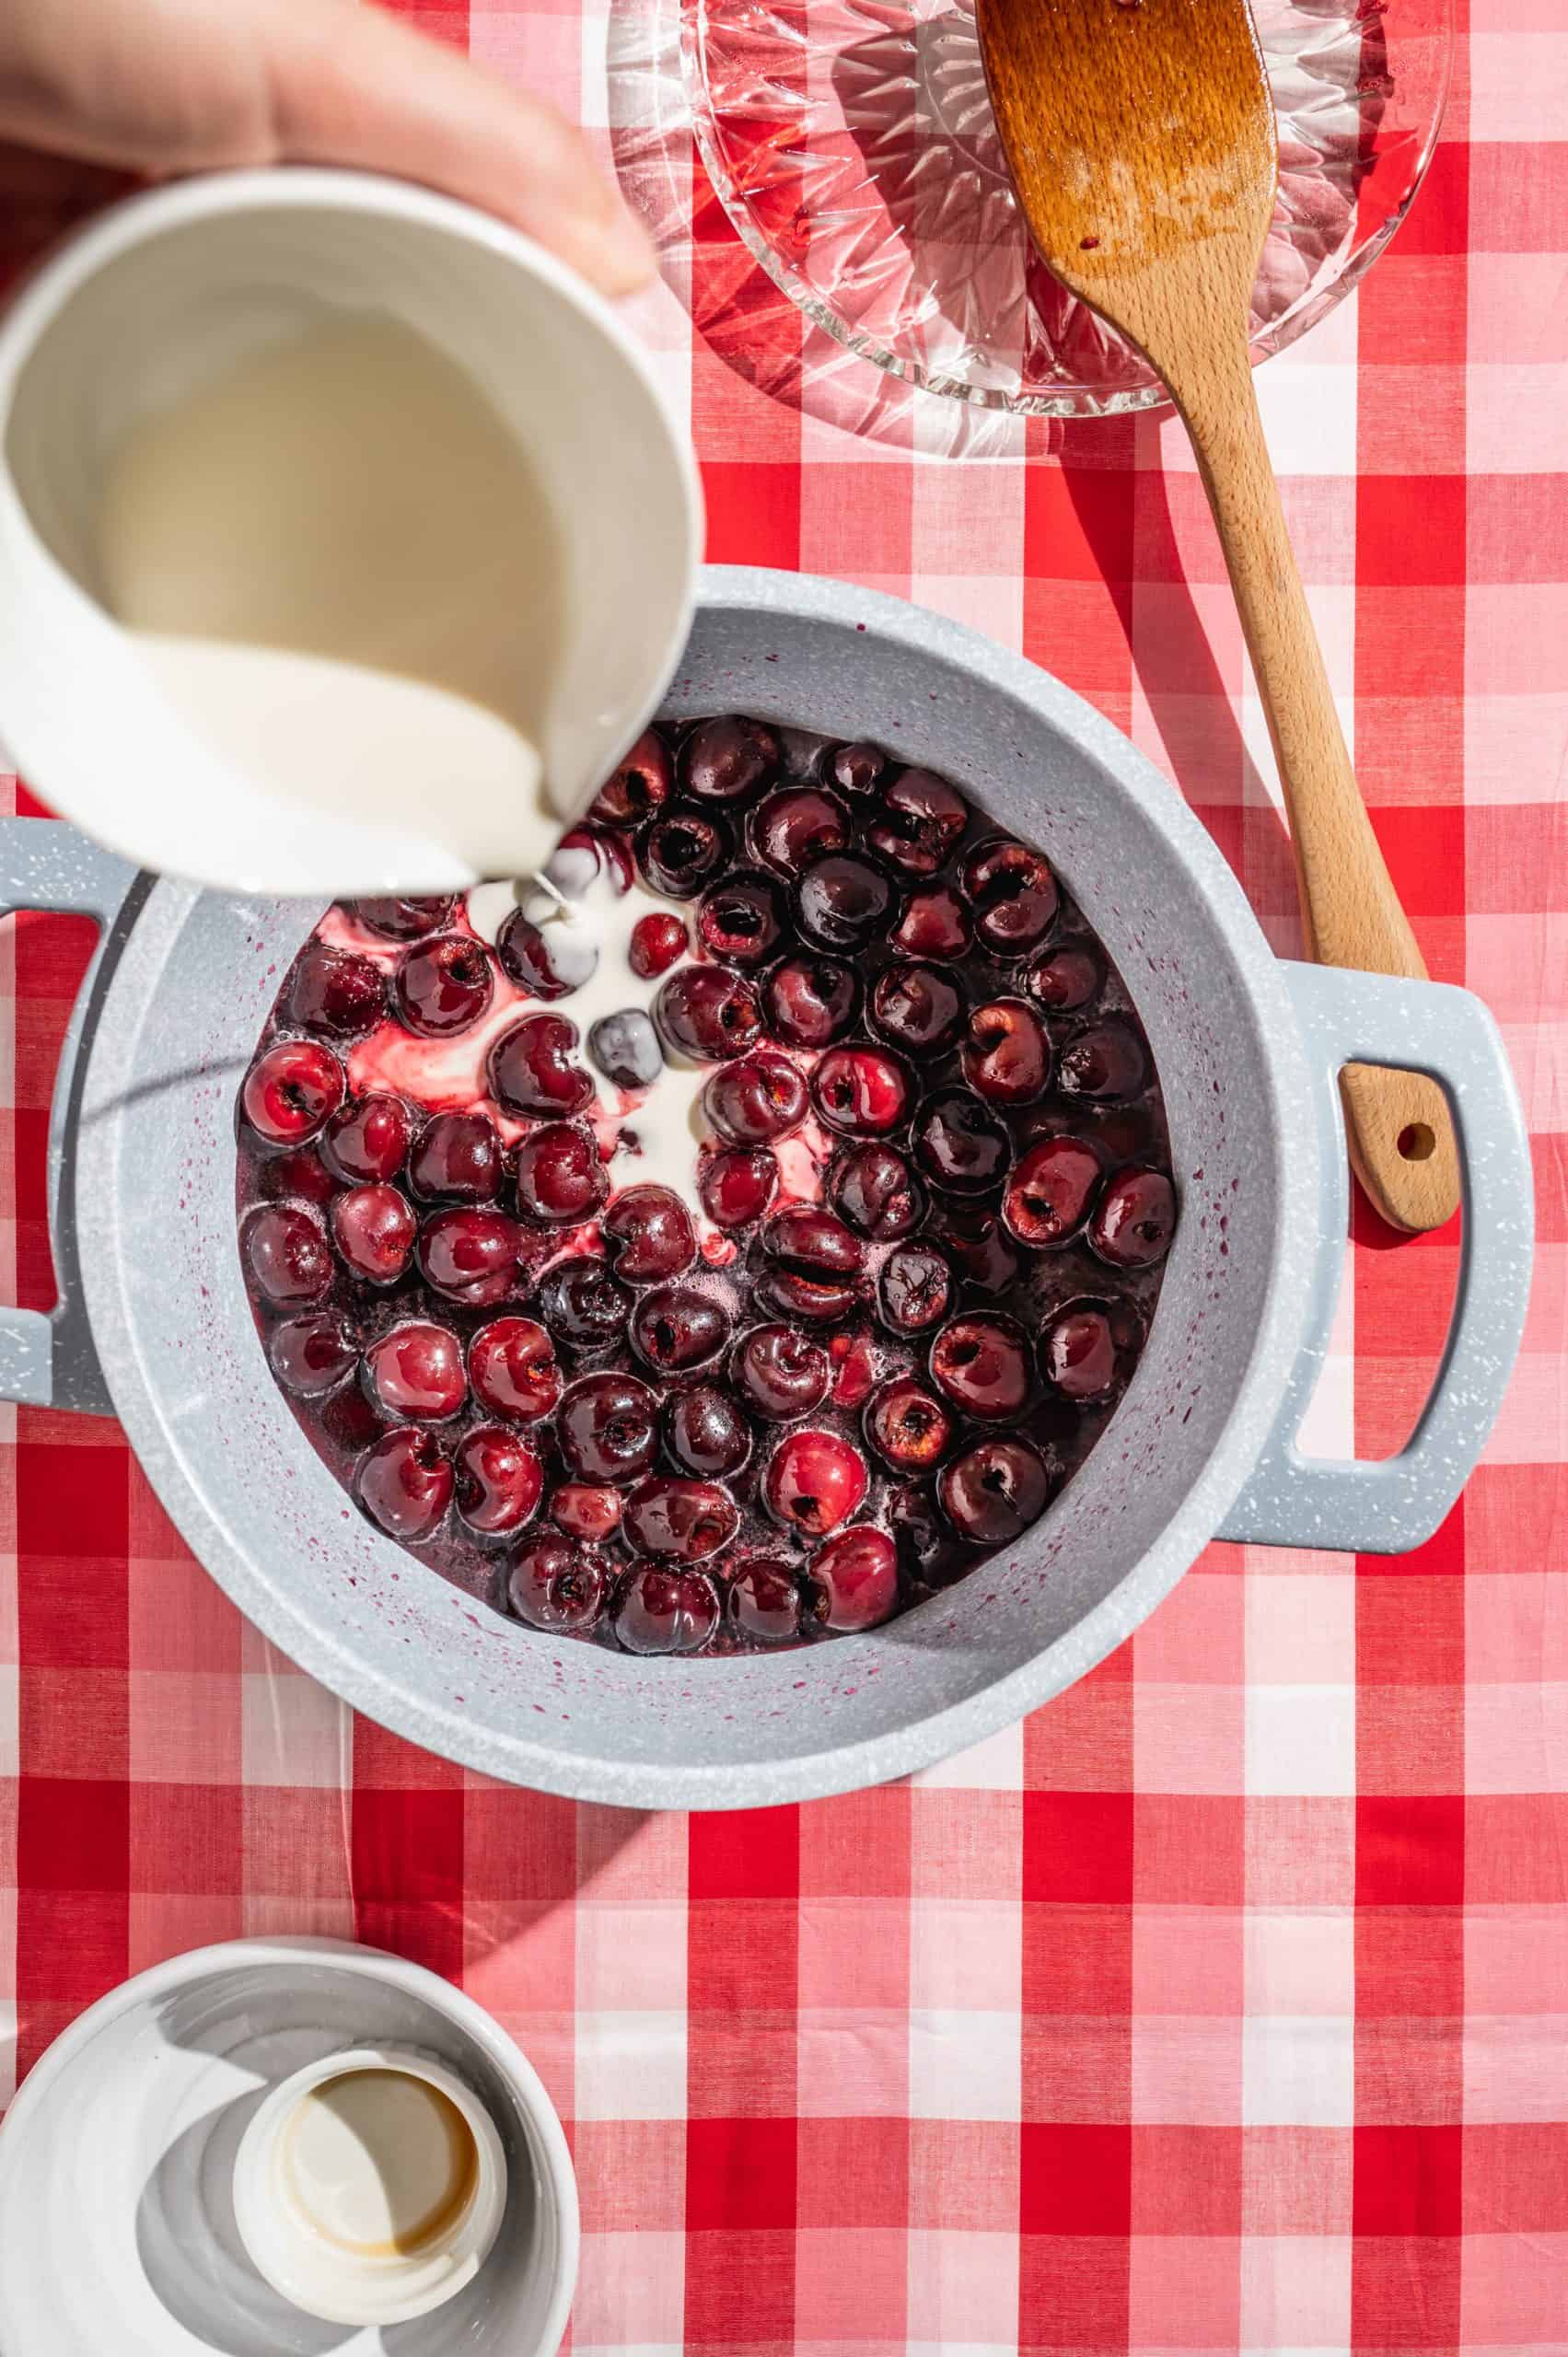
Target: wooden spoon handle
[1401,1142]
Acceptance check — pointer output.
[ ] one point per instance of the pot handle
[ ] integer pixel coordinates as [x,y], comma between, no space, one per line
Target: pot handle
[48,1360]
[1386,1507]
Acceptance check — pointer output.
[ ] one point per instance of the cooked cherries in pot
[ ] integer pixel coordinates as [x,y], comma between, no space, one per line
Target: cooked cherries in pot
[816,1372]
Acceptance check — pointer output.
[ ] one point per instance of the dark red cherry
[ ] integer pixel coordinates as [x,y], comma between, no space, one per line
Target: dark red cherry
[639,787]
[1106,1060]
[763,1601]
[626,1047]
[469,1256]
[874,1190]
[1066,980]
[455,1159]
[367,1140]
[960,1147]
[684,1521]
[677,1328]
[934,923]
[855,1580]
[528,956]
[780,1374]
[740,919]
[531,1068]
[584,1305]
[809,1301]
[292,1090]
[982,1254]
[373,1228]
[560,1177]
[1135,1219]
[703,1013]
[811,1000]
[585,1510]
[723,760]
[288,1255]
[919,1006]
[907,1427]
[802,1237]
[417,1371]
[311,1354]
[797,825]
[557,1585]
[982,1364]
[405,1483]
[682,850]
[736,1184]
[757,1099]
[608,1428]
[657,942]
[498,1480]
[1006,1053]
[1050,1191]
[648,1235]
[443,986]
[864,1092]
[1078,1354]
[300,1173]
[1121,1132]
[513,1369]
[917,821]
[587,853]
[842,902]
[705,1432]
[914,1290]
[402,920]
[994,1491]
[348,1420]
[336,991]
[857,768]
[664,1609]
[1013,895]
[814,1482]
[923,1541]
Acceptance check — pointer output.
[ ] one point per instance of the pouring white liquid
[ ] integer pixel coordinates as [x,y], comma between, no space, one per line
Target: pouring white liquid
[345,576]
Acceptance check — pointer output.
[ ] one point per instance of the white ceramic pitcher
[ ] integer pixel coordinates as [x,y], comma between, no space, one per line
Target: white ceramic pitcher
[163,293]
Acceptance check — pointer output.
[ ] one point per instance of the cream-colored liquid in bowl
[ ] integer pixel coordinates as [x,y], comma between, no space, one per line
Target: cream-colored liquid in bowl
[377,2163]
[345,574]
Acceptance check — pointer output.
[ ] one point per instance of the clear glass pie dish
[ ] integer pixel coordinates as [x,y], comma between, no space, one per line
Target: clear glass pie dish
[852,146]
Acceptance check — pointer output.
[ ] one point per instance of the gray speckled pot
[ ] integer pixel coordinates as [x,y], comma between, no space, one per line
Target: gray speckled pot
[1247,1048]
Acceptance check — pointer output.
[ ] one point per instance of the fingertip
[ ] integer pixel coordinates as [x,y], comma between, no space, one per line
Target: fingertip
[607,245]
[630,257]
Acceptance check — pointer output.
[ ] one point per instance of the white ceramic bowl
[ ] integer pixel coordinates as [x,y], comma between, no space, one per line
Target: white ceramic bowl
[118,2235]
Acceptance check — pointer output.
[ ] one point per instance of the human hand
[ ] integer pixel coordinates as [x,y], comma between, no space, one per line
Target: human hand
[157,87]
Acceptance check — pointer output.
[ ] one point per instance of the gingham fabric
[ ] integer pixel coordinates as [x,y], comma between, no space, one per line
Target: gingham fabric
[1223,2005]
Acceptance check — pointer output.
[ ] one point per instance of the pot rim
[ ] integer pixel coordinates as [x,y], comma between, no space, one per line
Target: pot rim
[936,1734]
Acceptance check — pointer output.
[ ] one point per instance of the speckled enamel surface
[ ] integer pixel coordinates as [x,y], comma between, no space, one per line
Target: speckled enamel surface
[187,994]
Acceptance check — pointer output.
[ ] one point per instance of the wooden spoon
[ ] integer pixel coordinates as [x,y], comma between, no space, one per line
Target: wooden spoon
[1141,140]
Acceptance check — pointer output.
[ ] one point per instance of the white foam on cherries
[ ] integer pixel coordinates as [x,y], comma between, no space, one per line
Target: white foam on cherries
[586,925]
[587,921]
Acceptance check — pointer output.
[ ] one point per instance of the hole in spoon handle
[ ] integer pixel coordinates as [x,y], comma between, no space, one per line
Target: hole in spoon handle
[1401,1145]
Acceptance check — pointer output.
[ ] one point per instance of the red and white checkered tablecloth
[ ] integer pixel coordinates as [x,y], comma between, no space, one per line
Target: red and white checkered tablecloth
[1223,2006]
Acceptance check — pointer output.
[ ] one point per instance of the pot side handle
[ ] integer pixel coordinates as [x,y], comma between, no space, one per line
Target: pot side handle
[1384,1508]
[48,1360]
